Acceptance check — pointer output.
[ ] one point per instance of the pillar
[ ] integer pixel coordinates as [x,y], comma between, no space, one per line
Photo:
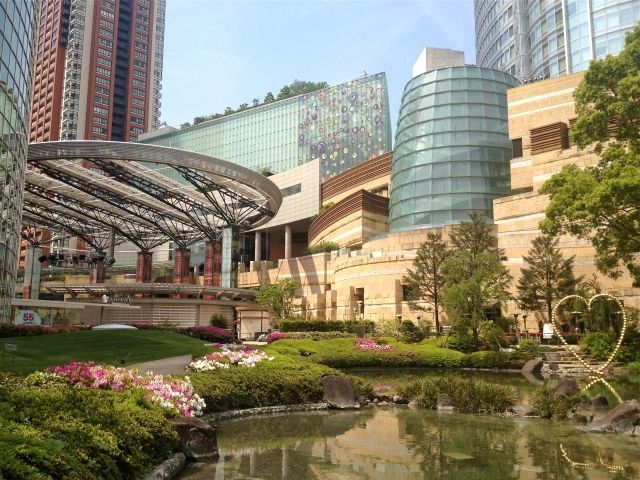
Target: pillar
[287,241]
[144,266]
[97,272]
[181,264]
[258,246]
[32,270]
[212,264]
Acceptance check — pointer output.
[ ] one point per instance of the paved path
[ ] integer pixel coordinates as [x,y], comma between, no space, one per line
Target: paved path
[164,366]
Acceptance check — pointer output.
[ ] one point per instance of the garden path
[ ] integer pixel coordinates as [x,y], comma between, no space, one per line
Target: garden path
[164,366]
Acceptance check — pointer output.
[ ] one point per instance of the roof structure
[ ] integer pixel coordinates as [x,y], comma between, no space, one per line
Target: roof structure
[145,194]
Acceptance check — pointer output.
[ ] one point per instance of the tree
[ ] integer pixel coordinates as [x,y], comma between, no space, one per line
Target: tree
[268,98]
[184,125]
[547,277]
[243,106]
[279,297]
[475,237]
[228,110]
[426,279]
[299,87]
[601,203]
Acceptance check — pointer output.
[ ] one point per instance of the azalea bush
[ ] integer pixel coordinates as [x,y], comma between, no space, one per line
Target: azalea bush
[228,355]
[13,330]
[369,345]
[207,332]
[174,395]
[274,336]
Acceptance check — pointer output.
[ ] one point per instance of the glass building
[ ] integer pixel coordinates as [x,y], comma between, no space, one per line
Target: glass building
[343,126]
[16,36]
[541,38]
[452,152]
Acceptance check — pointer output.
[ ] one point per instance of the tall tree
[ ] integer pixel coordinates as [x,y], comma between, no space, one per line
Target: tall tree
[547,276]
[298,87]
[601,203]
[268,98]
[279,297]
[426,279]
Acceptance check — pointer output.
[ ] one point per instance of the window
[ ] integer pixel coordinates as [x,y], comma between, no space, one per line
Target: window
[139,83]
[516,147]
[141,46]
[100,120]
[104,61]
[141,36]
[140,55]
[137,130]
[137,91]
[140,64]
[137,111]
[104,13]
[101,100]
[103,81]
[292,190]
[106,23]
[100,130]
[139,121]
[105,42]
[105,52]
[142,27]
[103,91]
[103,71]
[105,33]
[137,101]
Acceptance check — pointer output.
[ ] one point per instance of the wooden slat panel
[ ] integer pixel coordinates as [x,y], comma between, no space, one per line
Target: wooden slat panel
[549,137]
[370,170]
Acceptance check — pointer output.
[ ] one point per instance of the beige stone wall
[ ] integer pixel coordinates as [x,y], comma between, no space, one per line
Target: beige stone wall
[354,229]
[374,185]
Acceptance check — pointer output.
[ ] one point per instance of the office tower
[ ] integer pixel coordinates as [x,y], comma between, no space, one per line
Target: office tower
[434,58]
[98,69]
[547,38]
[16,40]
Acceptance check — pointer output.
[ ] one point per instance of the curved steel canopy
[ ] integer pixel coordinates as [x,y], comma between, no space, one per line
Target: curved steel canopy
[146,194]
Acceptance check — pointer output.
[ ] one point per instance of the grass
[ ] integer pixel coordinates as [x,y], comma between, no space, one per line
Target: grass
[104,346]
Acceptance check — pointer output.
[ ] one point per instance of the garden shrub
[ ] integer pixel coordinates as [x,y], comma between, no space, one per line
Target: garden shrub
[511,360]
[634,368]
[529,347]
[12,330]
[219,321]
[208,333]
[302,325]
[600,345]
[490,336]
[459,341]
[547,406]
[467,395]
[409,333]
[322,247]
[272,337]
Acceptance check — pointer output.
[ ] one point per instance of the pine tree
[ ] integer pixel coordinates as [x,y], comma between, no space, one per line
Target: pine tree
[547,277]
[426,279]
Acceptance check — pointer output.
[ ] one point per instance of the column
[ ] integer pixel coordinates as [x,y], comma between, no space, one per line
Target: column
[97,272]
[181,264]
[287,241]
[226,274]
[144,266]
[258,247]
[32,269]
[212,264]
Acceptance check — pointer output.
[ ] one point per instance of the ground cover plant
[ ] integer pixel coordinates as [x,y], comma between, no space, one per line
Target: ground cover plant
[102,346]
[467,395]
[228,356]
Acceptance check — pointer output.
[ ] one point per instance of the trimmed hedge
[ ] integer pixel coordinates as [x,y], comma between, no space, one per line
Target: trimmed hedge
[467,395]
[52,430]
[294,325]
[510,360]
[12,330]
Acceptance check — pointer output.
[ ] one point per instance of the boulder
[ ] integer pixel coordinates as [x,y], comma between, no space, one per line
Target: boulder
[524,411]
[565,387]
[338,393]
[400,400]
[198,439]
[533,366]
[444,402]
[621,418]
[600,401]
[168,469]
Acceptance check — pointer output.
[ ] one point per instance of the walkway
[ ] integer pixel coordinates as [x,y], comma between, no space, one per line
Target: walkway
[164,366]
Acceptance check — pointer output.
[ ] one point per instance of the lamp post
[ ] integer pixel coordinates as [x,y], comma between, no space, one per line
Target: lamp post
[524,319]
[515,317]
[399,319]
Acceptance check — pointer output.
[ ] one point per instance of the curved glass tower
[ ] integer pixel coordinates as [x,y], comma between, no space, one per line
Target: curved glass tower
[16,34]
[452,149]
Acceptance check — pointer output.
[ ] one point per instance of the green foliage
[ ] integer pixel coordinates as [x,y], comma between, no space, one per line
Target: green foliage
[529,347]
[542,399]
[459,340]
[318,335]
[321,247]
[634,368]
[219,321]
[546,276]
[50,430]
[279,297]
[426,278]
[600,345]
[467,395]
[298,87]
[503,360]
[410,333]
[301,325]
[600,203]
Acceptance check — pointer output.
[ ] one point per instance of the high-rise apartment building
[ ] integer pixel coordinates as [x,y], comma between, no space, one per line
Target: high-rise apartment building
[534,39]
[98,69]
[16,41]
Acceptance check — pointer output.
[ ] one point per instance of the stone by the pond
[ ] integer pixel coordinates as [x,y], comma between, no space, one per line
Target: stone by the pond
[600,401]
[168,469]
[338,393]
[621,418]
[524,411]
[533,366]
[444,402]
[565,387]
[457,456]
[198,439]
[580,418]
[400,400]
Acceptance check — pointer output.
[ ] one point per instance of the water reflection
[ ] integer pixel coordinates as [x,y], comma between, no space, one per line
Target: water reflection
[412,444]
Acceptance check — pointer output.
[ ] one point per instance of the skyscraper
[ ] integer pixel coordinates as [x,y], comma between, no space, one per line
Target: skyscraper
[548,38]
[98,69]
[16,40]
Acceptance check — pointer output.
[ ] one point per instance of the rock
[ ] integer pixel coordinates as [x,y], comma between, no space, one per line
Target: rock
[383,397]
[444,402]
[338,393]
[565,387]
[168,469]
[524,411]
[621,418]
[400,400]
[375,400]
[413,404]
[600,401]
[383,404]
[533,366]
[580,418]
[198,438]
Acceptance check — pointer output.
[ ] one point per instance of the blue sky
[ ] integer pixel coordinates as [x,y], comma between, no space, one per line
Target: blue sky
[224,53]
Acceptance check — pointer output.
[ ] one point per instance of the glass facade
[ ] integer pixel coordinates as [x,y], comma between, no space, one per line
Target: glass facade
[452,152]
[541,38]
[342,125]
[16,36]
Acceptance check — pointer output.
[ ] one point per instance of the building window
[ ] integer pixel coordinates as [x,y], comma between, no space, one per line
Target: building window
[516,147]
[292,190]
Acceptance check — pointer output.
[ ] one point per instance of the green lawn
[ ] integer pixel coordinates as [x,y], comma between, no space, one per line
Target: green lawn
[104,346]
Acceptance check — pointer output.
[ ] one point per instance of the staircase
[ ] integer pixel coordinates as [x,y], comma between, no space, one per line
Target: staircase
[563,363]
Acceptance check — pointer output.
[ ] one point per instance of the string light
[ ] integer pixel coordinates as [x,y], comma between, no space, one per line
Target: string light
[601,463]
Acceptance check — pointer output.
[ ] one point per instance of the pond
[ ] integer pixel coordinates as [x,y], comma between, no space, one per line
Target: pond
[401,443]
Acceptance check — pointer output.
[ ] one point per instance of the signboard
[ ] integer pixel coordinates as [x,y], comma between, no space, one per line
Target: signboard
[28,317]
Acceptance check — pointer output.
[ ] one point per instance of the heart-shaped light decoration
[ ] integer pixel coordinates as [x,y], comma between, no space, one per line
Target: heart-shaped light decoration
[600,370]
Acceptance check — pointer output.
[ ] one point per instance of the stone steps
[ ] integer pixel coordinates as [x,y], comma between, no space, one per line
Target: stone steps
[563,363]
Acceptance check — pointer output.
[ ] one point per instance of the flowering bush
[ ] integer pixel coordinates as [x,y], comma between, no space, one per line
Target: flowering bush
[369,345]
[175,395]
[227,356]
[273,336]
[207,332]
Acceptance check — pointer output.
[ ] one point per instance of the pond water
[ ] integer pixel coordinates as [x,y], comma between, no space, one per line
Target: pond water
[400,443]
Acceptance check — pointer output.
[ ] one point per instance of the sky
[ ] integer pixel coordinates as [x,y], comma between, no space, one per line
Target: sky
[221,54]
